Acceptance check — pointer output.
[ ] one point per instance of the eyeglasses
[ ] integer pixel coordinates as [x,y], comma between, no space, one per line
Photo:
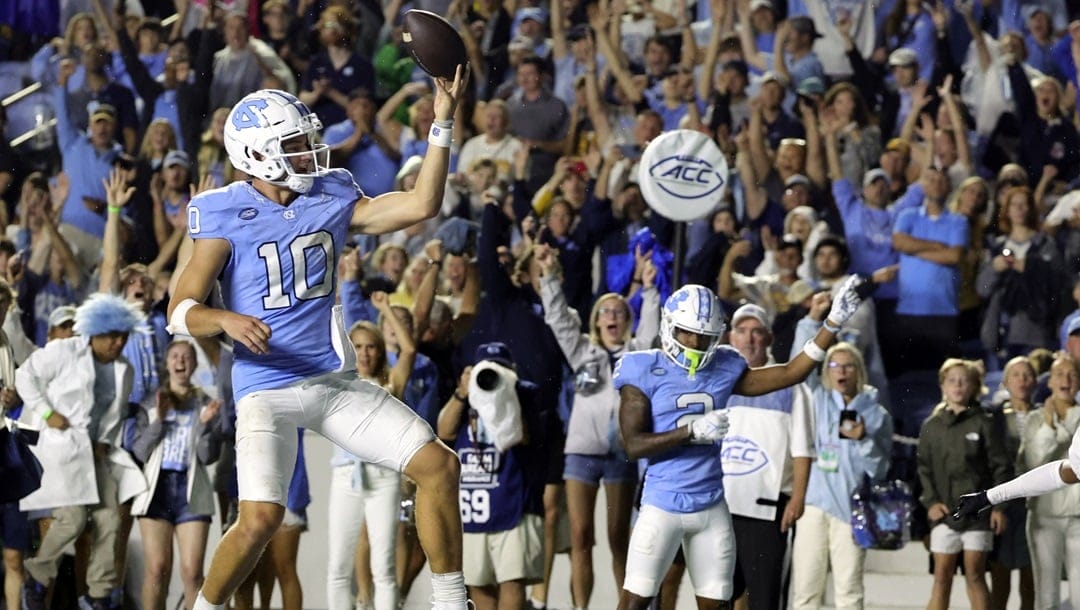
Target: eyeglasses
[842,366]
[618,312]
[331,25]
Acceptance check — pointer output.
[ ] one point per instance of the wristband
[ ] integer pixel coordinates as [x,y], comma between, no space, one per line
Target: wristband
[829,326]
[178,320]
[459,398]
[46,414]
[814,351]
[441,136]
[115,208]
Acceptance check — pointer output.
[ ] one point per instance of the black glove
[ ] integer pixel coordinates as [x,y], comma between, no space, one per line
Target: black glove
[971,505]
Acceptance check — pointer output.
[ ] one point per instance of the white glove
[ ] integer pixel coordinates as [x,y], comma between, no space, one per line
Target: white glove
[710,427]
[845,300]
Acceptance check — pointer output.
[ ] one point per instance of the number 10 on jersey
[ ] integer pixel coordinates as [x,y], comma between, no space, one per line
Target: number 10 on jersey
[297,256]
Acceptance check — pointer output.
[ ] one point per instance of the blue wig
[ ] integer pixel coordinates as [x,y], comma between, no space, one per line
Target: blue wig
[103,313]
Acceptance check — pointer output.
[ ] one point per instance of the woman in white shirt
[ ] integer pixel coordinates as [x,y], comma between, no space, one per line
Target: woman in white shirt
[362,492]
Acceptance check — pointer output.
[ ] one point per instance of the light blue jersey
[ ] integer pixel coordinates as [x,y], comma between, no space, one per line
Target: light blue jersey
[689,478]
[281,271]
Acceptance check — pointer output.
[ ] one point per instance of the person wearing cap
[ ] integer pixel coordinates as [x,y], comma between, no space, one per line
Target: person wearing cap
[1040,39]
[910,26]
[171,193]
[87,159]
[867,218]
[530,23]
[62,322]
[490,421]
[100,86]
[77,390]
[757,34]
[357,145]
[572,52]
[794,59]
[931,241]
[774,430]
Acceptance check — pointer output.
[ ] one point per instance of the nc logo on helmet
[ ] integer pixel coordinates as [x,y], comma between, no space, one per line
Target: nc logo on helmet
[741,456]
[686,176]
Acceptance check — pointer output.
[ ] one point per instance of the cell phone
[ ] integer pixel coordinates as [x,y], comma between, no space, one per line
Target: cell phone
[848,417]
[1007,253]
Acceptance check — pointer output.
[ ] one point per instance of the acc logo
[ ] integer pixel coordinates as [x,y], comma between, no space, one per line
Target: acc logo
[686,176]
[248,214]
[741,456]
[658,371]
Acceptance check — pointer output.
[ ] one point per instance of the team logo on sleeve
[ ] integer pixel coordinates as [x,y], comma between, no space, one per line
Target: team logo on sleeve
[248,214]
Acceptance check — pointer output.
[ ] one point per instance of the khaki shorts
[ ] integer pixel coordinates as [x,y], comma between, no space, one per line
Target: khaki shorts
[499,557]
[946,540]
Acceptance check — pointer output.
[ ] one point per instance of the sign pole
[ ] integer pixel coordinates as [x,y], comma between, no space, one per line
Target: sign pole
[680,249]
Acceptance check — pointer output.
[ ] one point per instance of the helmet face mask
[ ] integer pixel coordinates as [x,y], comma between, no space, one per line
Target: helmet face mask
[694,309]
[256,133]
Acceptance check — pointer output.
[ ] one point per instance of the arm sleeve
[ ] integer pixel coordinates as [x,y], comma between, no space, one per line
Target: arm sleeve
[356,306]
[564,322]
[494,280]
[145,85]
[802,423]
[875,448]
[208,449]
[147,434]
[925,458]
[33,377]
[65,131]
[649,320]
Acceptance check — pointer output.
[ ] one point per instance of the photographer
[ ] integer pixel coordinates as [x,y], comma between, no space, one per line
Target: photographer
[502,477]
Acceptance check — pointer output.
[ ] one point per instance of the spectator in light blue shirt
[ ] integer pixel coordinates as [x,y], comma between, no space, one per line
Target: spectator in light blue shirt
[88,158]
[800,62]
[1039,40]
[361,148]
[931,241]
[910,26]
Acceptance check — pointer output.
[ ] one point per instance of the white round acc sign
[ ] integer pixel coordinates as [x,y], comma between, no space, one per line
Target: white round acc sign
[682,175]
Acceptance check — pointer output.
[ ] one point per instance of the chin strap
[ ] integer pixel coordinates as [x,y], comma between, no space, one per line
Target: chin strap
[693,357]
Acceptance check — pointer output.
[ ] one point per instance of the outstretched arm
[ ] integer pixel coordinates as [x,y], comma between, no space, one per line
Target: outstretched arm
[397,210]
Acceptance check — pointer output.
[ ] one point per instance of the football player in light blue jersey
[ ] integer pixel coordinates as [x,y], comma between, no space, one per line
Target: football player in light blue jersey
[671,412]
[273,243]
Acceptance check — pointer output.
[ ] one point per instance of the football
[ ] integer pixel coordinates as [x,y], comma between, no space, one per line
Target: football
[433,43]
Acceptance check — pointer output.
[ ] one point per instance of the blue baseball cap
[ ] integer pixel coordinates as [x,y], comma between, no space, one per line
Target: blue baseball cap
[496,351]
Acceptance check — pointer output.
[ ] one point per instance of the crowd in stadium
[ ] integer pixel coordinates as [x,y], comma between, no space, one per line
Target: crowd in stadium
[931,149]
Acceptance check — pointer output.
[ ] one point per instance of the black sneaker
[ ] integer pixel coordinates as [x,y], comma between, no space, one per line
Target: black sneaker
[33,594]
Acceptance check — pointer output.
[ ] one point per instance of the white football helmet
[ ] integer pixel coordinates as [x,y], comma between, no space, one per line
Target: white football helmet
[255,130]
[696,309]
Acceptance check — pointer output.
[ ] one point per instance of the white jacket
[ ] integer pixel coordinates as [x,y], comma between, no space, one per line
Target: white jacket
[593,418]
[60,377]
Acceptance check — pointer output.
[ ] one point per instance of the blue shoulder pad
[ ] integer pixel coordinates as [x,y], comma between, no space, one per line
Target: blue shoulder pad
[212,215]
[635,368]
[339,182]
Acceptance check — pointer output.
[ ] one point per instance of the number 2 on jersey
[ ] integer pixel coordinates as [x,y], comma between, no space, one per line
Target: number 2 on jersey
[276,296]
[685,401]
